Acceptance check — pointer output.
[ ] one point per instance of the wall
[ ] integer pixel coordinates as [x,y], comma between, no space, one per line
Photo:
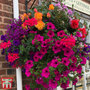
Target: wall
[6,14]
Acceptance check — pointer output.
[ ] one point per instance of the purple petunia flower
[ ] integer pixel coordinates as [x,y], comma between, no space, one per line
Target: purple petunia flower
[79,69]
[16,42]
[74,59]
[3,37]
[27,87]
[70,12]
[75,81]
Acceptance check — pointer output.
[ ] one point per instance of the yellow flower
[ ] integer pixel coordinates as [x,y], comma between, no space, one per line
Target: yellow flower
[51,7]
[24,16]
[40,25]
[38,16]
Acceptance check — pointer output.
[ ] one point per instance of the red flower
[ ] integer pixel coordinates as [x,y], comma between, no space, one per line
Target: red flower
[84,32]
[30,22]
[75,23]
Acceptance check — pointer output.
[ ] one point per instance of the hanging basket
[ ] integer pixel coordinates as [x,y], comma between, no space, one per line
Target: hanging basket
[48,43]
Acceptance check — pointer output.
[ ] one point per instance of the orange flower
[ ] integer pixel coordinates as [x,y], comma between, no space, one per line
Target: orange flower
[40,25]
[25,27]
[38,16]
[48,15]
[51,7]
[24,16]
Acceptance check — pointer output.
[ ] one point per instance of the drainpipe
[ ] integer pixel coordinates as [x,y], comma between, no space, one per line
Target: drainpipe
[18,70]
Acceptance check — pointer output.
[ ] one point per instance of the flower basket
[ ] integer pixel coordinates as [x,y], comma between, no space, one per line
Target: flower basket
[48,43]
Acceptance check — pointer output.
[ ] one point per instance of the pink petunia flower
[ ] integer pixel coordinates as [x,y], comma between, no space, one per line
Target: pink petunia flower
[74,59]
[39,80]
[50,33]
[39,37]
[57,43]
[61,33]
[56,49]
[73,67]
[78,34]
[68,52]
[50,26]
[45,72]
[29,64]
[43,51]
[27,73]
[79,69]
[27,87]
[75,81]
[65,61]
[44,44]
[83,60]
[65,73]
[52,83]
[36,58]
[54,63]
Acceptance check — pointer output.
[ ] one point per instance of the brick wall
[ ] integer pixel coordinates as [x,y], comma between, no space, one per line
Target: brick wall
[6,13]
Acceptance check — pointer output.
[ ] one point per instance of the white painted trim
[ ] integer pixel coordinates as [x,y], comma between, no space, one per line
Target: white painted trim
[18,70]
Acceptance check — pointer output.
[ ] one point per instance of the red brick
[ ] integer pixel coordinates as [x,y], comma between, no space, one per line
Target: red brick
[5,14]
[2,58]
[8,2]
[7,8]
[2,72]
[3,26]
[5,65]
[0,6]
[22,1]
[0,19]
[6,20]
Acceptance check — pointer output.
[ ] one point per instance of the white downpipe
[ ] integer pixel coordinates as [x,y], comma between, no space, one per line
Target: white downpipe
[84,82]
[18,70]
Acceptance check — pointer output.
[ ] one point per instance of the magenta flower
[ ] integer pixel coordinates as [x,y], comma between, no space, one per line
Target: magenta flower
[45,72]
[79,69]
[65,61]
[43,51]
[45,85]
[39,80]
[65,73]
[75,81]
[57,78]
[52,83]
[57,43]
[27,87]
[39,55]
[29,64]
[70,12]
[44,44]
[50,33]
[83,60]
[74,59]
[73,67]
[39,37]
[54,63]
[61,33]
[50,26]
[56,72]
[47,40]
[27,73]
[65,85]
[36,58]
[68,52]
[56,49]
[36,88]
[78,34]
